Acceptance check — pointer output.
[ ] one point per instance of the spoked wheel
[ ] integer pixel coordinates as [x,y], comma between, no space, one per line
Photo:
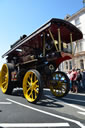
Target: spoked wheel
[6,84]
[32,86]
[59,84]
[0,79]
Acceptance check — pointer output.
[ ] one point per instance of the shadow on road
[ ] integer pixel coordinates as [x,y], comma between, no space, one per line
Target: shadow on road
[17,92]
[44,101]
[75,99]
[49,103]
[71,98]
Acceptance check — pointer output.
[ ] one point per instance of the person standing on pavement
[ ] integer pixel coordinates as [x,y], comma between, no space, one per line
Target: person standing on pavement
[69,76]
[78,79]
[83,78]
[73,79]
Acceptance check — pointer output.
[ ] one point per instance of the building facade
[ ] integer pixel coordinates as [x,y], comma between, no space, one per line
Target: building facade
[78,61]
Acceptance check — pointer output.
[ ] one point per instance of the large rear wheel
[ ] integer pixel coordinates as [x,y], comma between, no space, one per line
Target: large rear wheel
[59,84]
[32,86]
[6,84]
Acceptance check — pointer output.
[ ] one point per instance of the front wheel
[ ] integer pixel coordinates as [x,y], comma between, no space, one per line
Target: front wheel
[32,86]
[59,84]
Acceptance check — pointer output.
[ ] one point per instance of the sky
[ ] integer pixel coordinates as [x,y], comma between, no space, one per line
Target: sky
[18,17]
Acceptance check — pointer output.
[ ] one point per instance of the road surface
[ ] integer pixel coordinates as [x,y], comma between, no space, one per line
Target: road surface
[49,112]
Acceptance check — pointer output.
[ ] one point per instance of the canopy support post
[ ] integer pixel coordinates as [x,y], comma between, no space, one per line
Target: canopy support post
[43,44]
[71,42]
[59,39]
[53,40]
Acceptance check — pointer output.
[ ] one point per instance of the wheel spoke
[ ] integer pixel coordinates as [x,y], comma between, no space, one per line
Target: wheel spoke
[63,87]
[31,77]
[3,83]
[37,86]
[30,93]
[35,82]
[28,89]
[28,83]
[5,87]
[36,95]
[36,91]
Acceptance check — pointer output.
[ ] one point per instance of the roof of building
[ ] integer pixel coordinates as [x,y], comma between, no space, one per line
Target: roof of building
[68,17]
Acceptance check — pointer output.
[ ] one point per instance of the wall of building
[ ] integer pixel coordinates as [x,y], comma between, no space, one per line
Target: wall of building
[78,19]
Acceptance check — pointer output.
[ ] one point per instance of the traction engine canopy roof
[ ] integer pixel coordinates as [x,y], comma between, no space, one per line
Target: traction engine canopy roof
[35,39]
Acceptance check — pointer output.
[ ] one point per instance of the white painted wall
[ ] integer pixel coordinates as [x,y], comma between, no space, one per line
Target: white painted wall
[81,26]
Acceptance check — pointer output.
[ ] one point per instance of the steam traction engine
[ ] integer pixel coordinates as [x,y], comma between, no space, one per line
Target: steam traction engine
[32,60]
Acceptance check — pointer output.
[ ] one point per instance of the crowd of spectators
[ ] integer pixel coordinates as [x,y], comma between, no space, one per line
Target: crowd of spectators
[77,80]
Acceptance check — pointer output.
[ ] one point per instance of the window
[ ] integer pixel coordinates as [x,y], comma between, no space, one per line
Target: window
[79,46]
[81,64]
[66,65]
[70,65]
[77,21]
